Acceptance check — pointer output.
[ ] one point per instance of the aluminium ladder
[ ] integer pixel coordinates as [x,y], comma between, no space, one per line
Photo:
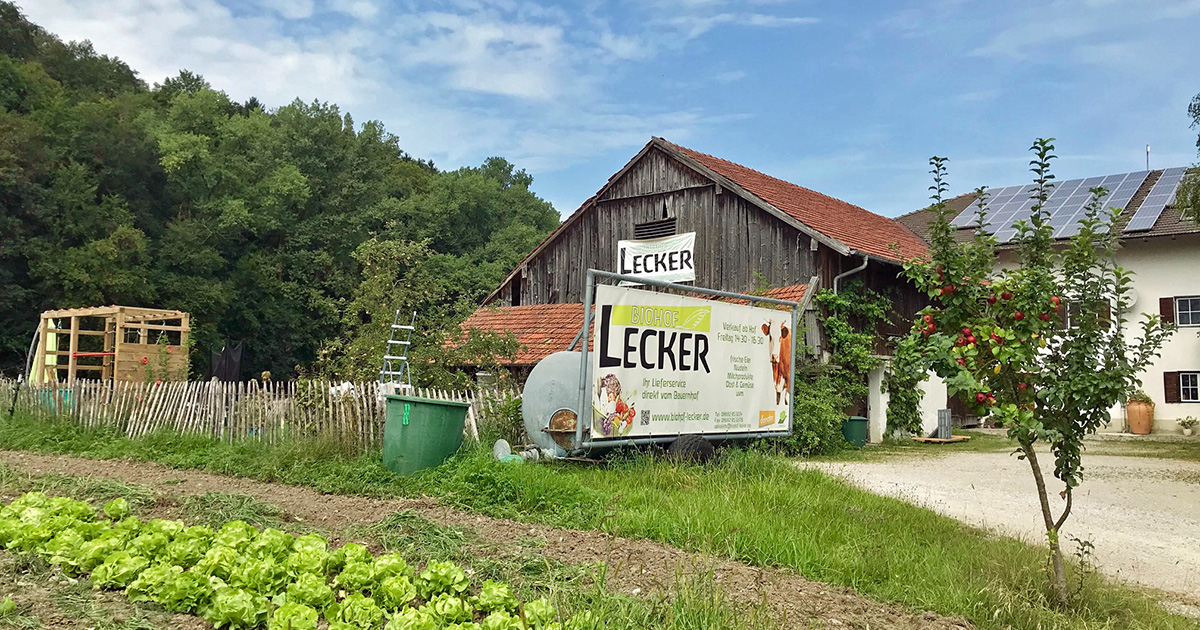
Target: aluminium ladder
[395,374]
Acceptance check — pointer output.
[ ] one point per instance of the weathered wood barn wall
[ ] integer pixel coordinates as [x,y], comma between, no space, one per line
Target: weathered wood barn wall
[738,245]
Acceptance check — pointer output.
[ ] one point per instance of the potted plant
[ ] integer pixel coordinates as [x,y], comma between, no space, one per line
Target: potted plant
[1140,409]
[1188,424]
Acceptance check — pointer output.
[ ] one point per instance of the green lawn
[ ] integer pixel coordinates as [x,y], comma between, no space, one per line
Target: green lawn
[750,506]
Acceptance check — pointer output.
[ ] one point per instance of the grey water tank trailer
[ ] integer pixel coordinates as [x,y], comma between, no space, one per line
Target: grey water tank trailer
[552,390]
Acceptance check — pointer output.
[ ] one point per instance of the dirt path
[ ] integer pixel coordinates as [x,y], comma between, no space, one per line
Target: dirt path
[1142,514]
[646,566]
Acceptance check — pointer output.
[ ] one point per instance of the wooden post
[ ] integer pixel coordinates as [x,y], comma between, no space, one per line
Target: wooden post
[39,361]
[73,346]
[183,343]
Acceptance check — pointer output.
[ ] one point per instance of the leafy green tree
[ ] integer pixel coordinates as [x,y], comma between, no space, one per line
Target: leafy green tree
[252,219]
[1188,196]
[998,336]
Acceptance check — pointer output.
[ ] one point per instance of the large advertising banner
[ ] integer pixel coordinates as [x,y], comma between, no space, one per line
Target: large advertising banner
[669,365]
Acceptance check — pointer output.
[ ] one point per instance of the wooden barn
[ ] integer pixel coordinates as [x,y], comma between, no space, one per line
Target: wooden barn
[751,230]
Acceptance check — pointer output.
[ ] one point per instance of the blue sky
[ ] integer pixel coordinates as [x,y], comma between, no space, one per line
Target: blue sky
[848,98]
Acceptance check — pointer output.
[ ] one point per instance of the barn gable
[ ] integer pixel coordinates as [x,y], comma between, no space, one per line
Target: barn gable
[743,246]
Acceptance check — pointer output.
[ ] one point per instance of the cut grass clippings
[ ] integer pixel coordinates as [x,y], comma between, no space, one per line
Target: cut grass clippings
[751,507]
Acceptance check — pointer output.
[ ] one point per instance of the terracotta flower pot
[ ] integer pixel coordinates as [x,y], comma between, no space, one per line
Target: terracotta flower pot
[1141,417]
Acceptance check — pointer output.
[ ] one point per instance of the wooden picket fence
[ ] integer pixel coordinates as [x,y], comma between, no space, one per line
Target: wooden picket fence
[351,413]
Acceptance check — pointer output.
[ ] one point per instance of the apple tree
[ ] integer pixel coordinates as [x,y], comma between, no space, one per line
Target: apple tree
[1038,343]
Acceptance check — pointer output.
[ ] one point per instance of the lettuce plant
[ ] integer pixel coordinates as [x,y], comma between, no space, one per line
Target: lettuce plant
[187,593]
[271,543]
[117,509]
[441,577]
[312,590]
[294,616]
[236,608]
[118,570]
[150,582]
[500,620]
[310,542]
[235,534]
[357,610]
[219,561]
[306,560]
[356,576]
[392,564]
[540,613]
[495,596]
[350,552]
[448,609]
[395,592]
[415,619]
[265,577]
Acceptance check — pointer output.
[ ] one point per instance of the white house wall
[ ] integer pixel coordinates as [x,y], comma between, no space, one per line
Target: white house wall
[1164,267]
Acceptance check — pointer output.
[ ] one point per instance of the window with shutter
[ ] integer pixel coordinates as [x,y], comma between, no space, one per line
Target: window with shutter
[1189,387]
[1187,311]
[1171,387]
[1166,308]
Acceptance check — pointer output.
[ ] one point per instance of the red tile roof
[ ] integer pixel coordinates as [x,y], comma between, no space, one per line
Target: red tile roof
[792,293]
[856,227]
[542,329]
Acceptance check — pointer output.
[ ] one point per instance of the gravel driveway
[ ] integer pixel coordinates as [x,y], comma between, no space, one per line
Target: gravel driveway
[1142,514]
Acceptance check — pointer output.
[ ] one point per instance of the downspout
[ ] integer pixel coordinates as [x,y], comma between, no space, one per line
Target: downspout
[838,278]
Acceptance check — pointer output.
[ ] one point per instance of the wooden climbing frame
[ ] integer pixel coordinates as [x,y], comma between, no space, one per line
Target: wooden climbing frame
[122,343]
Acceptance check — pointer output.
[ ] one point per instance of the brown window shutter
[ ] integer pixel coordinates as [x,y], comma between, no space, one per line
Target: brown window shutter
[1166,308]
[1171,387]
[1105,309]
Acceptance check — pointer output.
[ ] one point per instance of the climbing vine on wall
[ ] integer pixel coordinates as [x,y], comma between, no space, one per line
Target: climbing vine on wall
[909,368]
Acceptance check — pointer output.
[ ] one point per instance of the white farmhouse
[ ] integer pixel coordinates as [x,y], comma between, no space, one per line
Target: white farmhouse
[1158,245]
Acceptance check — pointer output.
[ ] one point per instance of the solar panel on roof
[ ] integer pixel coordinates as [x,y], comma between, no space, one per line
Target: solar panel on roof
[1161,195]
[1065,205]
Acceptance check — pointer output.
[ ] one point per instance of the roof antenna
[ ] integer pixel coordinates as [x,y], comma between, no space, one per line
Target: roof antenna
[1147,157]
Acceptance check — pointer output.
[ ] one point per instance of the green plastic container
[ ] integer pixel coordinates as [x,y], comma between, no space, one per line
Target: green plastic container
[854,429]
[420,433]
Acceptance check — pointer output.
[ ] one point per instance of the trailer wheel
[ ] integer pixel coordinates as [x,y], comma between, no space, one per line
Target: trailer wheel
[693,448]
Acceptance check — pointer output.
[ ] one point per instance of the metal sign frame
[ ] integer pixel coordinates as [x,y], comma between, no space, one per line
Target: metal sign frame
[585,380]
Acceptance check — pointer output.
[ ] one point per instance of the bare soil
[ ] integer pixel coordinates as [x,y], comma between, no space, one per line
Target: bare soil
[641,567]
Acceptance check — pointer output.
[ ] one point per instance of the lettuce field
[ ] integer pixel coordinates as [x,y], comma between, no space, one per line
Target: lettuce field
[238,576]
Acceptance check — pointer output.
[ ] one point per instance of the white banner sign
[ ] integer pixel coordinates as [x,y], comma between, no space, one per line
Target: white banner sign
[670,258]
[669,365]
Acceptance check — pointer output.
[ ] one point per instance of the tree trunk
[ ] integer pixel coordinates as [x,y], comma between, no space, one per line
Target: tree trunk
[1058,577]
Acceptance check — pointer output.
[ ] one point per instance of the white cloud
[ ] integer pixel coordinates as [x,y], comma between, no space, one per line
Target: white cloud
[456,80]
[486,53]
[290,9]
[245,56]
[359,9]
[695,25]
[1066,24]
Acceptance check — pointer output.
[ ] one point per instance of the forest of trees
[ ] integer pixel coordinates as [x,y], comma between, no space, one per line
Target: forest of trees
[292,229]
